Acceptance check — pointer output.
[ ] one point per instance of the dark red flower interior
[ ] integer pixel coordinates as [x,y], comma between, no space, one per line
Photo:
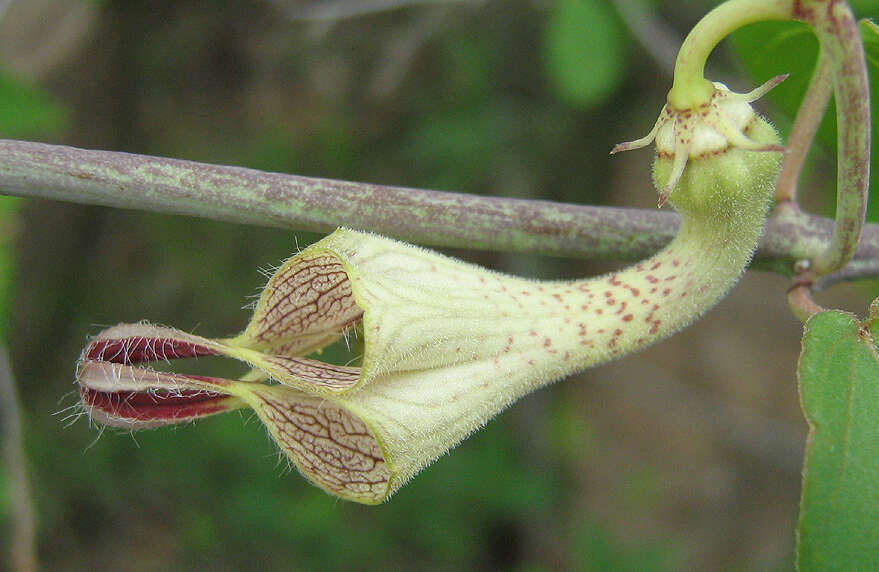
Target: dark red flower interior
[157,406]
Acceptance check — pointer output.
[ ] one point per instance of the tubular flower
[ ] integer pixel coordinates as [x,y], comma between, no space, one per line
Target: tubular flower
[447,344]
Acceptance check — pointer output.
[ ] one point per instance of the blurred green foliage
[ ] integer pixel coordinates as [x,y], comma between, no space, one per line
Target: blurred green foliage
[27,111]
[586,51]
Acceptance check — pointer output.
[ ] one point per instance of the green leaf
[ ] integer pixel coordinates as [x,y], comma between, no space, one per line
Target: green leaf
[585,51]
[27,111]
[839,392]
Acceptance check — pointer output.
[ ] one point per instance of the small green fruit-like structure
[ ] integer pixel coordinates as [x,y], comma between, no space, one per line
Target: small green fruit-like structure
[715,139]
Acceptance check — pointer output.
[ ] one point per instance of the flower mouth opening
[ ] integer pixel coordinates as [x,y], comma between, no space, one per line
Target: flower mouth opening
[116,390]
[143,410]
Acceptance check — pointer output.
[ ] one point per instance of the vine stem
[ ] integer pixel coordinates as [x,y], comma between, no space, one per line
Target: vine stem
[837,31]
[432,218]
[799,297]
[835,26]
[805,126]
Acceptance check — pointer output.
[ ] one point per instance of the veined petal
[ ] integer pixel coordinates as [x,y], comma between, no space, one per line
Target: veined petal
[306,305]
[329,445]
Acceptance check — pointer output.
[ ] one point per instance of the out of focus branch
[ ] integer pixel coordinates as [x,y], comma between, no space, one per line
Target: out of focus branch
[335,10]
[22,541]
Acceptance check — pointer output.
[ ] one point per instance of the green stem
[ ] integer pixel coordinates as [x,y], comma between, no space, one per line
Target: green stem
[691,89]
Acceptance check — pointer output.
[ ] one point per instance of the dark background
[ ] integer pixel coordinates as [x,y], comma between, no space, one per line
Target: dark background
[685,456]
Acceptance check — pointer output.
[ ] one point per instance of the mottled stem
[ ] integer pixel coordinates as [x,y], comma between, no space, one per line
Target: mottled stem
[434,218]
[836,28]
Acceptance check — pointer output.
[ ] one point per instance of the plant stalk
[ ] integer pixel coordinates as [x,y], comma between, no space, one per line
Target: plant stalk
[431,218]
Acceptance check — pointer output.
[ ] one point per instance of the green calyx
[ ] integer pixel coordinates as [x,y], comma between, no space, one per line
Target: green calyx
[720,136]
[712,178]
